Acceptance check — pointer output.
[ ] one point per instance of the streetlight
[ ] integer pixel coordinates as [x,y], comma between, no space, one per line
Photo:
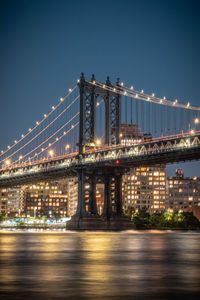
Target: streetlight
[192,131]
[67,147]
[51,153]
[20,157]
[196,122]
[98,142]
[7,162]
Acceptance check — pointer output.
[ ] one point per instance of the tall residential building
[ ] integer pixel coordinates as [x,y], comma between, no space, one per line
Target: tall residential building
[46,199]
[145,187]
[11,201]
[15,201]
[3,201]
[72,192]
[183,192]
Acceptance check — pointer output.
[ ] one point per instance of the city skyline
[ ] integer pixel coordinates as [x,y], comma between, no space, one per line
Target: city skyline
[99,104]
[40,59]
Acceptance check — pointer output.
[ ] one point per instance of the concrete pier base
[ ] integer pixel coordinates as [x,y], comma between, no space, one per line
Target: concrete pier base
[93,222]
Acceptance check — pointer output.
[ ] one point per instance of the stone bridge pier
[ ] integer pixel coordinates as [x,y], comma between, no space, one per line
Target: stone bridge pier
[87,217]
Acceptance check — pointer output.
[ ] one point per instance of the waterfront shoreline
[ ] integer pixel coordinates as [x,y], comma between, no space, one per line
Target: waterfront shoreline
[165,229]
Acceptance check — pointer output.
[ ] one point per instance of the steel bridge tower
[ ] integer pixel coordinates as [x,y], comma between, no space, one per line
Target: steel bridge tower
[86,216]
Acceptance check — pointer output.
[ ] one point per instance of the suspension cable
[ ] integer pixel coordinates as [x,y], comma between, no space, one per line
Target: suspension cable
[50,136]
[38,134]
[39,122]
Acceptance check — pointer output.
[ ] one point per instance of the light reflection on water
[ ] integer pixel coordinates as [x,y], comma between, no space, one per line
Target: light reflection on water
[99,265]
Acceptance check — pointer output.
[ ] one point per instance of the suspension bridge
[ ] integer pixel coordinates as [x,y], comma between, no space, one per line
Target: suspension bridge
[98,131]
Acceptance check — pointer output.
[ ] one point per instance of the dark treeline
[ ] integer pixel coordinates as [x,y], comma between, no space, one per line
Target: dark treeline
[143,219]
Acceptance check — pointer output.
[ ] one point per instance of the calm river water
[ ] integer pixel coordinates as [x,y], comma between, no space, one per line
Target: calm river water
[99,265]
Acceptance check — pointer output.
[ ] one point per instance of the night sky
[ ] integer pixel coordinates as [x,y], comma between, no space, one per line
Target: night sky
[46,44]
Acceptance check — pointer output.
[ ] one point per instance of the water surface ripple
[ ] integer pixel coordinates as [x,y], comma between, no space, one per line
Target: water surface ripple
[99,265]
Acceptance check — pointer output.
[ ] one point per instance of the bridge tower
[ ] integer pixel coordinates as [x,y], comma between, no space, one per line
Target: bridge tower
[86,216]
[89,93]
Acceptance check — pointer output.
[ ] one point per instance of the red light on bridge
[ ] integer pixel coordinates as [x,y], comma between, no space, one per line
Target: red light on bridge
[117,162]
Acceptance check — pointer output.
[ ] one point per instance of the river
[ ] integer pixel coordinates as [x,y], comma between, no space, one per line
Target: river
[99,265]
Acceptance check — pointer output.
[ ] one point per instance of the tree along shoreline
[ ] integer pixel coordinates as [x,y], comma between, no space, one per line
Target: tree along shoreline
[163,221]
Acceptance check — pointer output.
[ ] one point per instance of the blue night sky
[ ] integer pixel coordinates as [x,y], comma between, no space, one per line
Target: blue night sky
[153,45]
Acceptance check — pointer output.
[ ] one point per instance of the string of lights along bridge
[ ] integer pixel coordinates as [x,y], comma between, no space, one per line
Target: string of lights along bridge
[57,133]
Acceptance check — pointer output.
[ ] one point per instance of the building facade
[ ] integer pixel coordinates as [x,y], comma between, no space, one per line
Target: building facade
[45,199]
[15,201]
[72,192]
[3,202]
[183,193]
[145,187]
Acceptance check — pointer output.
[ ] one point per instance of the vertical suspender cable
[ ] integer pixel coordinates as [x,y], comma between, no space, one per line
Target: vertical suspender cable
[155,117]
[131,110]
[142,116]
